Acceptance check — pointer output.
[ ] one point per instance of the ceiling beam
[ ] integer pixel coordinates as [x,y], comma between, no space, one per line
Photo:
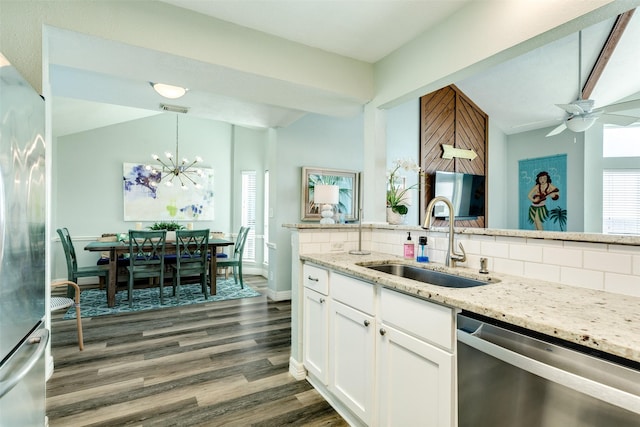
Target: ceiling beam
[607,50]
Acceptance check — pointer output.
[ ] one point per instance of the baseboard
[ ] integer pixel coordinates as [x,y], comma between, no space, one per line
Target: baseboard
[297,370]
[253,271]
[278,296]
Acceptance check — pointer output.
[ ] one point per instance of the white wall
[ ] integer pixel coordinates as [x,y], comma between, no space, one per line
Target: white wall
[497,178]
[403,142]
[315,141]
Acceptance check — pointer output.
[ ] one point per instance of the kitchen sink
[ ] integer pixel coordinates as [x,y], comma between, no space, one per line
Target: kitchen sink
[432,277]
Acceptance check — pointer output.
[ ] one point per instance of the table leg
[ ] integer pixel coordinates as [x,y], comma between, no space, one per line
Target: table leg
[113,278]
[214,272]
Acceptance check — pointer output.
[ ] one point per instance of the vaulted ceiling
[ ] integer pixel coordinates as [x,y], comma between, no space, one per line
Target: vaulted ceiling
[518,95]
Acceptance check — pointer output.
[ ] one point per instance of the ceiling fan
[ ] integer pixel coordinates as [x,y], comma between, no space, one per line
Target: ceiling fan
[581,115]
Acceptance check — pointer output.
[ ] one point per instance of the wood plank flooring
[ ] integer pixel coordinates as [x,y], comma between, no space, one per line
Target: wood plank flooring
[212,364]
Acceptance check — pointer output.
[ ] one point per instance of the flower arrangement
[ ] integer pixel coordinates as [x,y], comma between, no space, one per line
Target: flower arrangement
[397,195]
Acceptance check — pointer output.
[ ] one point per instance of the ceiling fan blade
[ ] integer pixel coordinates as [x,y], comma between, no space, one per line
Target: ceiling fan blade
[621,106]
[617,119]
[557,130]
[571,108]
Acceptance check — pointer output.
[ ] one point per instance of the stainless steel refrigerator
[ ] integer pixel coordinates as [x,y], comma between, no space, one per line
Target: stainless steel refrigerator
[23,337]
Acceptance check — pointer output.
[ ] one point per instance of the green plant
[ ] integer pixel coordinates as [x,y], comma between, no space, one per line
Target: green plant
[169,226]
[397,196]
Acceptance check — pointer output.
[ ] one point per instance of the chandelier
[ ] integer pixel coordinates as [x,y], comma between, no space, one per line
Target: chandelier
[183,171]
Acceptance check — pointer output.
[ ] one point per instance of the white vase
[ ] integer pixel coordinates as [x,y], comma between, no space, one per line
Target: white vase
[394,217]
[171,236]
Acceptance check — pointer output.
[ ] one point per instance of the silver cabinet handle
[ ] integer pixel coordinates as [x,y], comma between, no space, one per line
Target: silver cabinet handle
[383,331]
[313,279]
[367,323]
[321,300]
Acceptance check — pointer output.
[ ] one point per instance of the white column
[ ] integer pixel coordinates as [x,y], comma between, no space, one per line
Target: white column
[375,165]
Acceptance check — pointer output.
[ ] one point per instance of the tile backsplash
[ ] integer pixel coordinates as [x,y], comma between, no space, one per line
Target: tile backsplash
[603,266]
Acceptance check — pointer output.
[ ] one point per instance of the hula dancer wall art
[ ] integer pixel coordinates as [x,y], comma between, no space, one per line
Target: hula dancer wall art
[541,193]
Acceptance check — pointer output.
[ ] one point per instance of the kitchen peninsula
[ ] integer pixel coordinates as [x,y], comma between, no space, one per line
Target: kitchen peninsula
[573,287]
[600,320]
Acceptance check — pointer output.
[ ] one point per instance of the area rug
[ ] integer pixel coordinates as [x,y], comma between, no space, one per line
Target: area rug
[93,302]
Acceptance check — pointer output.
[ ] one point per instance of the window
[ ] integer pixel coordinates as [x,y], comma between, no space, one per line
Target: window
[248,216]
[621,201]
[621,141]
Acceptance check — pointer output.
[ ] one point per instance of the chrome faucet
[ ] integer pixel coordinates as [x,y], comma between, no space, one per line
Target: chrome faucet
[452,256]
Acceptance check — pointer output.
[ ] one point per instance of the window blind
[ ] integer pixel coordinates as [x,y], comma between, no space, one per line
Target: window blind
[248,216]
[621,201]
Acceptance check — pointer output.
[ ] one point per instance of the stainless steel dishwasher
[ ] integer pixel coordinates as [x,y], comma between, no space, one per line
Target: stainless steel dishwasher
[508,377]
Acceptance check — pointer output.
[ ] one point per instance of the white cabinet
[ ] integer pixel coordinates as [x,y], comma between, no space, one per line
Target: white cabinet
[316,322]
[316,278]
[382,358]
[316,333]
[415,377]
[414,382]
[352,345]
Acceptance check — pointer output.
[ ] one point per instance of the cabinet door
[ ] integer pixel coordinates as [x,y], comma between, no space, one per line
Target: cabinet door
[316,334]
[352,346]
[415,381]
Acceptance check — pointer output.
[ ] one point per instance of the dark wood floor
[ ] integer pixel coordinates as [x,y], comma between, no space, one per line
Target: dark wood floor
[219,363]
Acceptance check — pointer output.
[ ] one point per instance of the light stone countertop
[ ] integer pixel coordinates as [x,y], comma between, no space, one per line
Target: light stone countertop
[601,320]
[632,240]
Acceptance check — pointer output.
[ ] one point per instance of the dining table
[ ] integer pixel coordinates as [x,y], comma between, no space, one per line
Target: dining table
[118,248]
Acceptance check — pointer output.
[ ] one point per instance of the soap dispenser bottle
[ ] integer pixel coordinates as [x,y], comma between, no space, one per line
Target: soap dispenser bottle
[423,245]
[409,247]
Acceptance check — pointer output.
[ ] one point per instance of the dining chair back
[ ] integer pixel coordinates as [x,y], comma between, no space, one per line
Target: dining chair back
[146,258]
[59,303]
[192,259]
[73,271]
[235,262]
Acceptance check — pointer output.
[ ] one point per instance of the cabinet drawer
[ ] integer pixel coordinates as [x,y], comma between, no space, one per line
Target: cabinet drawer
[353,292]
[316,278]
[431,322]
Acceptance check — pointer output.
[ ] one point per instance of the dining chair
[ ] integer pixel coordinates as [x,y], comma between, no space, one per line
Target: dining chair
[191,258]
[146,258]
[59,303]
[235,262]
[73,271]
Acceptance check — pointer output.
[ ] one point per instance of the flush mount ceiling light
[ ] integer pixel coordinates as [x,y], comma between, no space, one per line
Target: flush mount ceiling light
[168,91]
